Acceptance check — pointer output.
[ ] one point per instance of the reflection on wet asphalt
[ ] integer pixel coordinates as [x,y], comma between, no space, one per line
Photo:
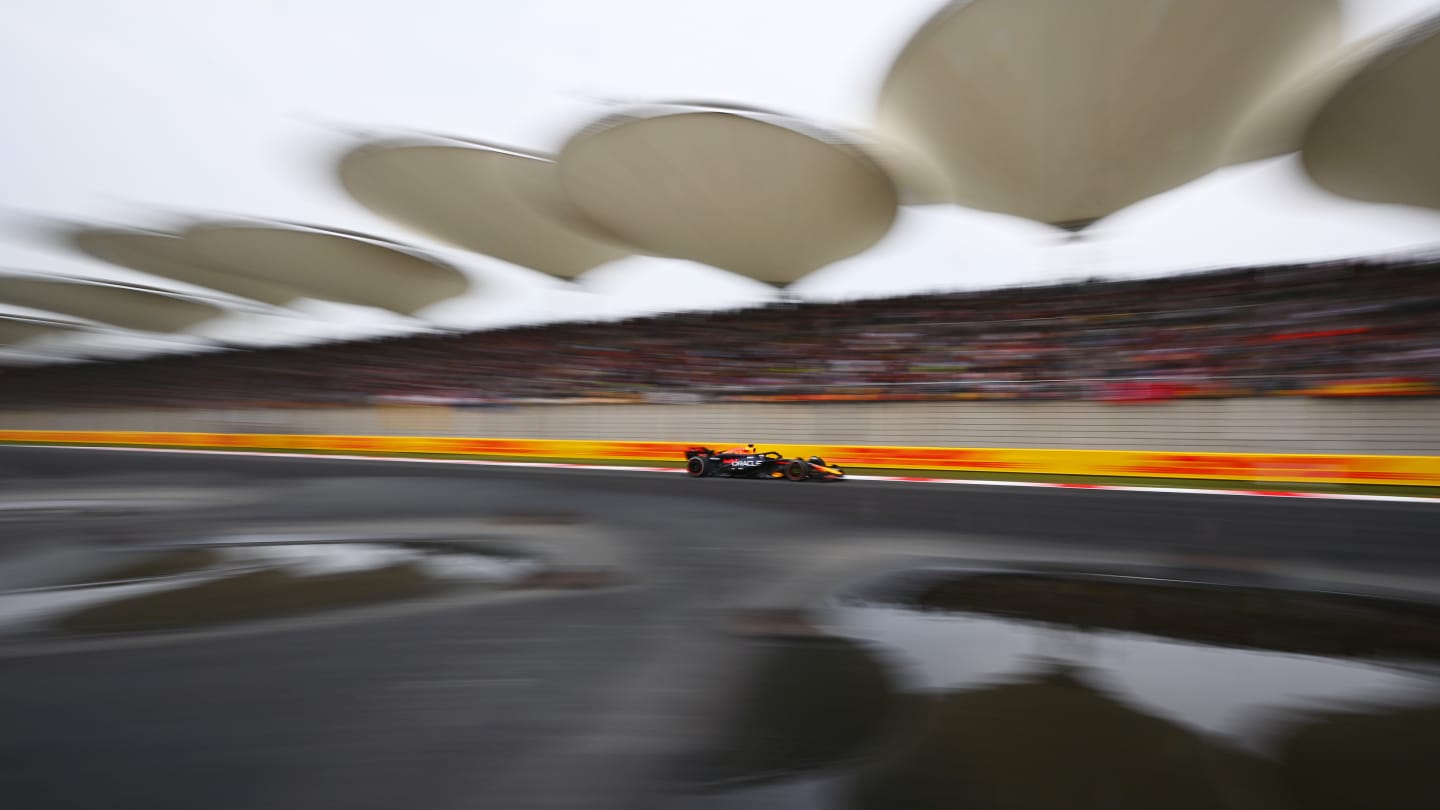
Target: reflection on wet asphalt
[1038,689]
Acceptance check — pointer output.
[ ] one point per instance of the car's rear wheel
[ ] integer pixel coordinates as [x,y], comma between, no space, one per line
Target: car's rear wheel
[797,470]
[696,467]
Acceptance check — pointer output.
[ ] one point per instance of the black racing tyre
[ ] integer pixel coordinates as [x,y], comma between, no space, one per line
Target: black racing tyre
[697,467]
[797,470]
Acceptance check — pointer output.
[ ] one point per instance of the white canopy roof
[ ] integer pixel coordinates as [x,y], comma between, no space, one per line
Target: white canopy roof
[126,306]
[1064,112]
[1378,138]
[499,202]
[278,263]
[763,195]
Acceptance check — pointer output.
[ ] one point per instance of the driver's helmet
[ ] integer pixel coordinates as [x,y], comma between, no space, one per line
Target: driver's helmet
[750,448]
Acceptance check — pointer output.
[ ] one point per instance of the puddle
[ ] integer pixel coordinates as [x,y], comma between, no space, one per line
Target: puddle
[1059,689]
[243,578]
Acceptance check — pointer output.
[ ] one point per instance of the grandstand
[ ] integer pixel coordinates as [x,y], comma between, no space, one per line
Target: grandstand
[1160,542]
[1347,328]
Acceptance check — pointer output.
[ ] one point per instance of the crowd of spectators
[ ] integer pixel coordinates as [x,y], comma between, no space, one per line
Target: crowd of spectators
[1353,327]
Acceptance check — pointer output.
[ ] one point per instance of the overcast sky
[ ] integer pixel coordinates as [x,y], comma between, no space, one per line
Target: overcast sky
[138,111]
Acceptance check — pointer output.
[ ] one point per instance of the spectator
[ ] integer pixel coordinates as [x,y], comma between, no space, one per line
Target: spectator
[1252,331]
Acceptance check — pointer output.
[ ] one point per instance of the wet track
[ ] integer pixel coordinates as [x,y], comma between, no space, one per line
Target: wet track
[563,699]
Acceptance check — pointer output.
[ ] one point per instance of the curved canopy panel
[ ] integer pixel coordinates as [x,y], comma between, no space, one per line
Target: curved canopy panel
[1378,139]
[15,329]
[345,267]
[1065,112]
[168,256]
[758,194]
[498,202]
[126,306]
[1277,124]
[918,178]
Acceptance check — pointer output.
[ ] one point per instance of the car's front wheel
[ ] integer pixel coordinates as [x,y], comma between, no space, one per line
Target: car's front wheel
[696,467]
[797,470]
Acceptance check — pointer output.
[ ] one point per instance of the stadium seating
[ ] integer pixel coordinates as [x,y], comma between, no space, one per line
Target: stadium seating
[1341,329]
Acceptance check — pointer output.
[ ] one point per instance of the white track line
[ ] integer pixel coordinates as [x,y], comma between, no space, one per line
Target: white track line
[1249,493]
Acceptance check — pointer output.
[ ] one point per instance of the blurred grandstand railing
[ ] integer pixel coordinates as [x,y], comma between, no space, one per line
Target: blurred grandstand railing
[1117,389]
[1156,388]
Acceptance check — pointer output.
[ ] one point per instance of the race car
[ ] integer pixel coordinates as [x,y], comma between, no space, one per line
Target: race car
[747,462]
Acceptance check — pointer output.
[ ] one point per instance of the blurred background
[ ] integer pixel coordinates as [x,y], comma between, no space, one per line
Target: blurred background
[349,355]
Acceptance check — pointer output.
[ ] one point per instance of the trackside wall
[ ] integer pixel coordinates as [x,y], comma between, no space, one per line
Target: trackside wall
[1262,425]
[1311,468]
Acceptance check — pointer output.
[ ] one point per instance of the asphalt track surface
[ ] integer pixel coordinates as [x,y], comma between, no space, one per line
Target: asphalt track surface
[575,699]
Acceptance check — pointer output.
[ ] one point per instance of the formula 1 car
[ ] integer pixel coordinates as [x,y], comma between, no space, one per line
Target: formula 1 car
[747,462]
